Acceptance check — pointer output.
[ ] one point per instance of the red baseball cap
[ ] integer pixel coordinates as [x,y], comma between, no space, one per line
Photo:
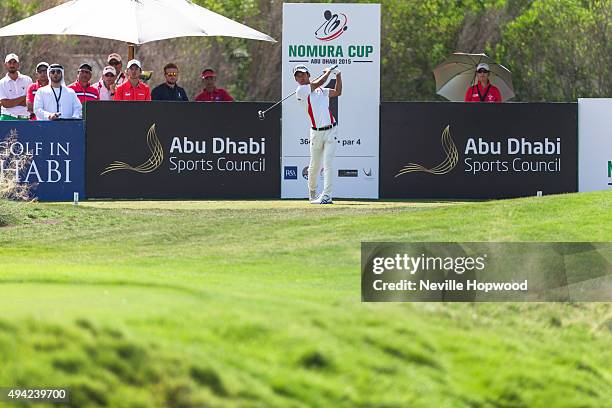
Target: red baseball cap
[208,73]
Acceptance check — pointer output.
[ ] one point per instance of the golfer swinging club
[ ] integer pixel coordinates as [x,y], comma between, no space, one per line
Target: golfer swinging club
[315,101]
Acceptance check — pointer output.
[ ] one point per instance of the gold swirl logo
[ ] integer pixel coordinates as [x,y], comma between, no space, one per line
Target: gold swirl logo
[452,158]
[152,163]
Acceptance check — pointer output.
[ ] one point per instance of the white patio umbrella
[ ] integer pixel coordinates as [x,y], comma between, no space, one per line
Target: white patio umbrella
[458,72]
[132,21]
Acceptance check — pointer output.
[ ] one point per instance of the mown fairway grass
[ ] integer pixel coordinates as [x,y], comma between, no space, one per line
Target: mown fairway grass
[257,304]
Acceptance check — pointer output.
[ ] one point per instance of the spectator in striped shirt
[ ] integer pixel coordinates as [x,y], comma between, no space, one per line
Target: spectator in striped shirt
[41,80]
[82,87]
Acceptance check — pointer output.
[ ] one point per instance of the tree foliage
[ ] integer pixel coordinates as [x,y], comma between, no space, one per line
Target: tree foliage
[558,50]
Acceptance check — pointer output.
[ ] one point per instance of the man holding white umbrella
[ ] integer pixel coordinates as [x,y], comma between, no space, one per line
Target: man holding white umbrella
[459,72]
[483,90]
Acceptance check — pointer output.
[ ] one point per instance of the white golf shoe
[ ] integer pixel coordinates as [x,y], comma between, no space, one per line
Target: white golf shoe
[322,199]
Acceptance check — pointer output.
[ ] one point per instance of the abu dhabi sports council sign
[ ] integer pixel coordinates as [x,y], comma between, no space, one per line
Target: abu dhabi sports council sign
[464,150]
[319,36]
[164,150]
[594,144]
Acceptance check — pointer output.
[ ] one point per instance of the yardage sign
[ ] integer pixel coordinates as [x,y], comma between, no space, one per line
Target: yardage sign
[319,36]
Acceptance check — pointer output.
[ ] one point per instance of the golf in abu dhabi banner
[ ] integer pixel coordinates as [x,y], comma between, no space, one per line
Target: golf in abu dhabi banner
[182,150]
[463,150]
[320,36]
[47,156]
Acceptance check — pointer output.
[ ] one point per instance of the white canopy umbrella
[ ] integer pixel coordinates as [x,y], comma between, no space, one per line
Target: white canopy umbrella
[132,21]
[458,72]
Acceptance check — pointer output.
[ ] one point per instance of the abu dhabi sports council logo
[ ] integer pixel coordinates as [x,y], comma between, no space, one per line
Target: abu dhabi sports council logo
[152,163]
[334,26]
[448,164]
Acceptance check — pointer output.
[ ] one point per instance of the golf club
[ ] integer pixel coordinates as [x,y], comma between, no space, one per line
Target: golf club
[262,114]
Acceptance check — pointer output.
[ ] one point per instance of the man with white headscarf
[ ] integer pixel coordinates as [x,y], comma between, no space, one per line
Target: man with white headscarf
[56,100]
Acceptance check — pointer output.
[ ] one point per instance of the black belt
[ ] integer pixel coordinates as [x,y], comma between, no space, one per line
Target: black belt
[325,127]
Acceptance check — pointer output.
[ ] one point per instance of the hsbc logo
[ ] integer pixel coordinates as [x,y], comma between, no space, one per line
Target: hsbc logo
[333,27]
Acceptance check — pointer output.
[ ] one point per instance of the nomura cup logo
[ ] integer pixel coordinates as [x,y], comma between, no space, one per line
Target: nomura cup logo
[334,26]
[152,163]
[449,163]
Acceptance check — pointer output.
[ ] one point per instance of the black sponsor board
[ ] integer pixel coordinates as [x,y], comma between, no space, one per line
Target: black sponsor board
[478,150]
[163,150]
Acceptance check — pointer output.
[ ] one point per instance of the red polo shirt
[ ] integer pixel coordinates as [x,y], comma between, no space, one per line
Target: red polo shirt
[87,93]
[127,92]
[477,93]
[30,95]
[218,95]
[32,91]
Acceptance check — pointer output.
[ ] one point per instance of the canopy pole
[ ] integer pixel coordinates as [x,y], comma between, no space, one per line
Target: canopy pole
[130,51]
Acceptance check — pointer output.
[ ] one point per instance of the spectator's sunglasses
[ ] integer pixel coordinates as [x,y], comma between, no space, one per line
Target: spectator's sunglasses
[55,71]
[483,71]
[172,74]
[41,70]
[109,74]
[114,62]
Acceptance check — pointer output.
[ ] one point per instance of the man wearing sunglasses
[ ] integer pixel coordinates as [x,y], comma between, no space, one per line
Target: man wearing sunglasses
[483,91]
[106,85]
[57,101]
[42,79]
[169,90]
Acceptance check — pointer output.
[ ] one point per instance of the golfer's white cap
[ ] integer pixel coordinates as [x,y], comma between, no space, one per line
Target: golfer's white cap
[482,65]
[134,62]
[108,69]
[11,56]
[300,68]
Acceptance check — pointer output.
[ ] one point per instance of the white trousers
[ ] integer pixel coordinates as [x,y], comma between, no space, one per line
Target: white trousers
[322,148]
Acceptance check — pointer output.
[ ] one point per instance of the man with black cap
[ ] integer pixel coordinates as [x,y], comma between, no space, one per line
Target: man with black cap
[134,89]
[314,99]
[13,90]
[57,101]
[42,79]
[82,86]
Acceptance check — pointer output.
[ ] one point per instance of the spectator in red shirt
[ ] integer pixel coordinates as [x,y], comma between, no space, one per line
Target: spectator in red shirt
[82,87]
[133,89]
[211,93]
[483,91]
[42,79]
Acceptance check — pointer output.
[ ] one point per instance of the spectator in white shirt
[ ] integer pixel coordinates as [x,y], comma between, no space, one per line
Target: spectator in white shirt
[56,100]
[13,90]
[106,85]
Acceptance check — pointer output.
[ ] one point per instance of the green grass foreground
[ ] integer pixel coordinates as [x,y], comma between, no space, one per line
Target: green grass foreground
[257,304]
